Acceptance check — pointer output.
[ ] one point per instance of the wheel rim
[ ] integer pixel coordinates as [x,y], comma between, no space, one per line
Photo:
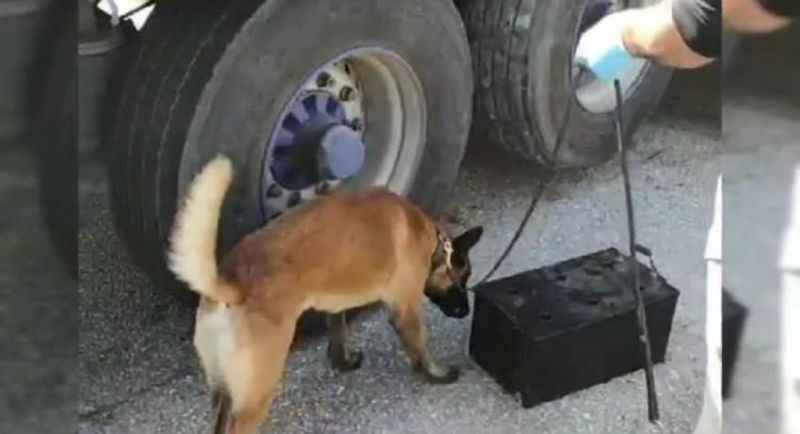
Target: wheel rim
[357,121]
[594,95]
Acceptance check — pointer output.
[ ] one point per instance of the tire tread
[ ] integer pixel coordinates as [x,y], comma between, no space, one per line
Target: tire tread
[500,46]
[505,109]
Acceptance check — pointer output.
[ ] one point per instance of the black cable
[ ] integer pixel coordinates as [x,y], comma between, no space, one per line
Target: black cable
[562,132]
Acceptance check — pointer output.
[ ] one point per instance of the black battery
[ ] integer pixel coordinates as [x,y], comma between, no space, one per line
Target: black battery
[555,330]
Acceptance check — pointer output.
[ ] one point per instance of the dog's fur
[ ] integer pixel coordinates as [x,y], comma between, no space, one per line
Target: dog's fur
[331,254]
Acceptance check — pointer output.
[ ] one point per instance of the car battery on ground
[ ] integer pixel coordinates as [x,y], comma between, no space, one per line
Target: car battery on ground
[555,330]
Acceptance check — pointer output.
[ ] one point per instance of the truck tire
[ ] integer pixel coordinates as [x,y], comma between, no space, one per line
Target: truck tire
[234,77]
[522,54]
[55,131]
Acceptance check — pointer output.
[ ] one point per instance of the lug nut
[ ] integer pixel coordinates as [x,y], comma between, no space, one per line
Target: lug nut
[294,199]
[324,80]
[322,188]
[274,191]
[347,94]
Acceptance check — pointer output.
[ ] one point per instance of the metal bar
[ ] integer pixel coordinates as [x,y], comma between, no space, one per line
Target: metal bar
[644,336]
[137,9]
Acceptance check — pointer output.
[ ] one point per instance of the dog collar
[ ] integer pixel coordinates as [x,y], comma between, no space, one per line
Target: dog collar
[446,246]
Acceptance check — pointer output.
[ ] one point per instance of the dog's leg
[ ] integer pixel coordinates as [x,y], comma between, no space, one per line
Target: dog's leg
[254,372]
[408,323]
[221,405]
[341,356]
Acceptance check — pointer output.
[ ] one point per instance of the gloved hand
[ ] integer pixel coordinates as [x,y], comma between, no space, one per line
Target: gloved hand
[601,50]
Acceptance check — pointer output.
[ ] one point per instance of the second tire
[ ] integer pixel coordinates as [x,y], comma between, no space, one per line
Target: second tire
[522,54]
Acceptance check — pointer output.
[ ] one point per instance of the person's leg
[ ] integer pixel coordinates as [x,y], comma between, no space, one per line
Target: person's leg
[790,263]
[710,421]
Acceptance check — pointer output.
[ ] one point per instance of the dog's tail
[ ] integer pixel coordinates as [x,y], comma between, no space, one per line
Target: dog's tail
[194,238]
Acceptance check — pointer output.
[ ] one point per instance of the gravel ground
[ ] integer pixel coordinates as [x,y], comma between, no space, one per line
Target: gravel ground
[138,373]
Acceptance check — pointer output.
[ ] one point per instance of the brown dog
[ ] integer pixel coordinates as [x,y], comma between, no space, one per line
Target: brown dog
[331,254]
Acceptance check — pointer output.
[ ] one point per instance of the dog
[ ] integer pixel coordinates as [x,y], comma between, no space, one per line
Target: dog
[333,253]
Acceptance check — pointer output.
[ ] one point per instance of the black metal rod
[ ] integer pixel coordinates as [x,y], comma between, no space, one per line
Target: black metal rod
[644,335]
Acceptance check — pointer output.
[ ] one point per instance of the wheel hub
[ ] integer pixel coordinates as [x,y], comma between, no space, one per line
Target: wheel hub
[319,142]
[316,142]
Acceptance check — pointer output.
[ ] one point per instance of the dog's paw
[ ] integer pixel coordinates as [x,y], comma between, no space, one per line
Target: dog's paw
[438,375]
[346,363]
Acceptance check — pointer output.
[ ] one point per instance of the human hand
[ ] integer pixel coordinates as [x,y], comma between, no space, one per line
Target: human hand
[601,48]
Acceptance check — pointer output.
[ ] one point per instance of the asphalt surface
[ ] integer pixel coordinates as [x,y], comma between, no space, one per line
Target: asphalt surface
[38,309]
[138,374]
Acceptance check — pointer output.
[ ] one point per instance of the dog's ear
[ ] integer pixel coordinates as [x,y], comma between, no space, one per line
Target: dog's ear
[467,240]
